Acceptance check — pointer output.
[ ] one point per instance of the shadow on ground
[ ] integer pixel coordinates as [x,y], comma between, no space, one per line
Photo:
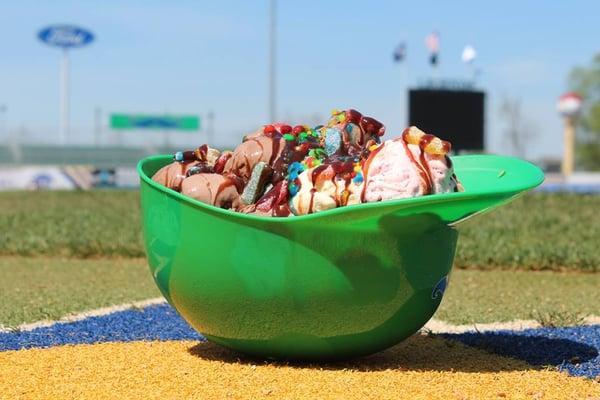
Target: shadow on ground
[535,350]
[436,353]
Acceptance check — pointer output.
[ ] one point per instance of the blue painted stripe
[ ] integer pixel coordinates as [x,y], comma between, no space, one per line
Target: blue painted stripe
[571,349]
[159,322]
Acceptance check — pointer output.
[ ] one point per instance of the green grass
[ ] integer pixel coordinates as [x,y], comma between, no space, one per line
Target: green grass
[33,289]
[74,224]
[551,298]
[536,232]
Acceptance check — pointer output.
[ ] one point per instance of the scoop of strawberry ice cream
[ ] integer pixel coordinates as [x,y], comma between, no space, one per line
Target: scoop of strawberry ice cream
[391,173]
[397,170]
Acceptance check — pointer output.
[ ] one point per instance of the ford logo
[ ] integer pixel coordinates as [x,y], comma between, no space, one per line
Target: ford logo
[65,36]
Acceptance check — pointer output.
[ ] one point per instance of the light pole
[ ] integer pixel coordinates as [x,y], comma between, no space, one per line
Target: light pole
[210,126]
[97,126]
[272,55]
[65,37]
[3,109]
[63,127]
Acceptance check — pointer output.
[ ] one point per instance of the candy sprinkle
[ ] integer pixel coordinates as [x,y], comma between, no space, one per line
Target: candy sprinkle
[358,178]
[178,156]
[289,137]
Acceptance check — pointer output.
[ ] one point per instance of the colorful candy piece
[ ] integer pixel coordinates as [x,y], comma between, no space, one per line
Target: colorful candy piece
[199,169]
[333,141]
[429,143]
[354,133]
[256,184]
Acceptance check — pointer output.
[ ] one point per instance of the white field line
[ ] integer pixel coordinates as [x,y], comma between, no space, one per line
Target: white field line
[433,326]
[86,314]
[437,326]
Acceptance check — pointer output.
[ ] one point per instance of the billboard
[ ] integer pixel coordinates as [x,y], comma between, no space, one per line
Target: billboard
[158,122]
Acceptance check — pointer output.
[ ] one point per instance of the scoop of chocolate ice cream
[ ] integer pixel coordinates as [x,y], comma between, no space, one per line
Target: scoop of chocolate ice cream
[215,189]
[254,150]
[173,174]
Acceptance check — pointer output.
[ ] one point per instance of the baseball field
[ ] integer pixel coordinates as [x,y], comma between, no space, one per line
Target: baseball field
[82,318]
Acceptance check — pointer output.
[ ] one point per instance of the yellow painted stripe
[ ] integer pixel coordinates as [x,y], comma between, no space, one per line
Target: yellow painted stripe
[420,368]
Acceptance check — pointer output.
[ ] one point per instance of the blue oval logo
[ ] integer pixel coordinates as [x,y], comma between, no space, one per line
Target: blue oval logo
[65,36]
[440,288]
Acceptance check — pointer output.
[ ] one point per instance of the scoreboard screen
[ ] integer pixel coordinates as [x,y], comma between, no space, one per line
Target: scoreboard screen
[453,115]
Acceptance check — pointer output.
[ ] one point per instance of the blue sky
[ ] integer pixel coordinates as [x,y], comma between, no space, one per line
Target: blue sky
[195,56]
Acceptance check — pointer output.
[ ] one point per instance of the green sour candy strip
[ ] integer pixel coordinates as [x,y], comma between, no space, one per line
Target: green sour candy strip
[256,184]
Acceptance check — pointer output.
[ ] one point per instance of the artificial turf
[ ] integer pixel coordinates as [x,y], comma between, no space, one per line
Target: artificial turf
[33,289]
[537,231]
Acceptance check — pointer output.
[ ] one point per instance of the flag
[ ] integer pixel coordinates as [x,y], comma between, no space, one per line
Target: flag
[432,41]
[400,52]
[468,54]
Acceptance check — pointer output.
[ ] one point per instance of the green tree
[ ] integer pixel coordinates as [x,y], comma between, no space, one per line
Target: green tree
[586,82]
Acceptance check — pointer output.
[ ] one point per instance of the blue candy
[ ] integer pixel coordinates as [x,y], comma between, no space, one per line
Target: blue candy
[358,178]
[295,168]
[178,156]
[333,141]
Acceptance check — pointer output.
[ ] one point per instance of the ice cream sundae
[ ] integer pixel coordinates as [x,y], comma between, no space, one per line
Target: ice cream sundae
[280,170]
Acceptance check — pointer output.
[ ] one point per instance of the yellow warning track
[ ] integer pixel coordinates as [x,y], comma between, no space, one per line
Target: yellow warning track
[420,368]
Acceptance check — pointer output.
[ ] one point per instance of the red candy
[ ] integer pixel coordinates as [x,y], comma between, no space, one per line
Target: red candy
[303,148]
[298,129]
[283,129]
[353,116]
[269,130]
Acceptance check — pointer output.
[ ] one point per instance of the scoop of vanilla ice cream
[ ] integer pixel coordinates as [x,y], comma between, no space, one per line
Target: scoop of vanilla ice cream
[326,192]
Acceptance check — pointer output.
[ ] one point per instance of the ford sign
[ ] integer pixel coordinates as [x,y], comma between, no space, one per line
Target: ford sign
[65,36]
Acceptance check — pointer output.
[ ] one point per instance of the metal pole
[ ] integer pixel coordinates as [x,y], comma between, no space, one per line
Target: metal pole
[272,55]
[64,97]
[97,126]
[210,118]
[3,134]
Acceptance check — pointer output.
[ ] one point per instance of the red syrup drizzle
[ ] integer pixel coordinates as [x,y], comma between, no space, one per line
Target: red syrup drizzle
[275,201]
[425,140]
[221,161]
[421,166]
